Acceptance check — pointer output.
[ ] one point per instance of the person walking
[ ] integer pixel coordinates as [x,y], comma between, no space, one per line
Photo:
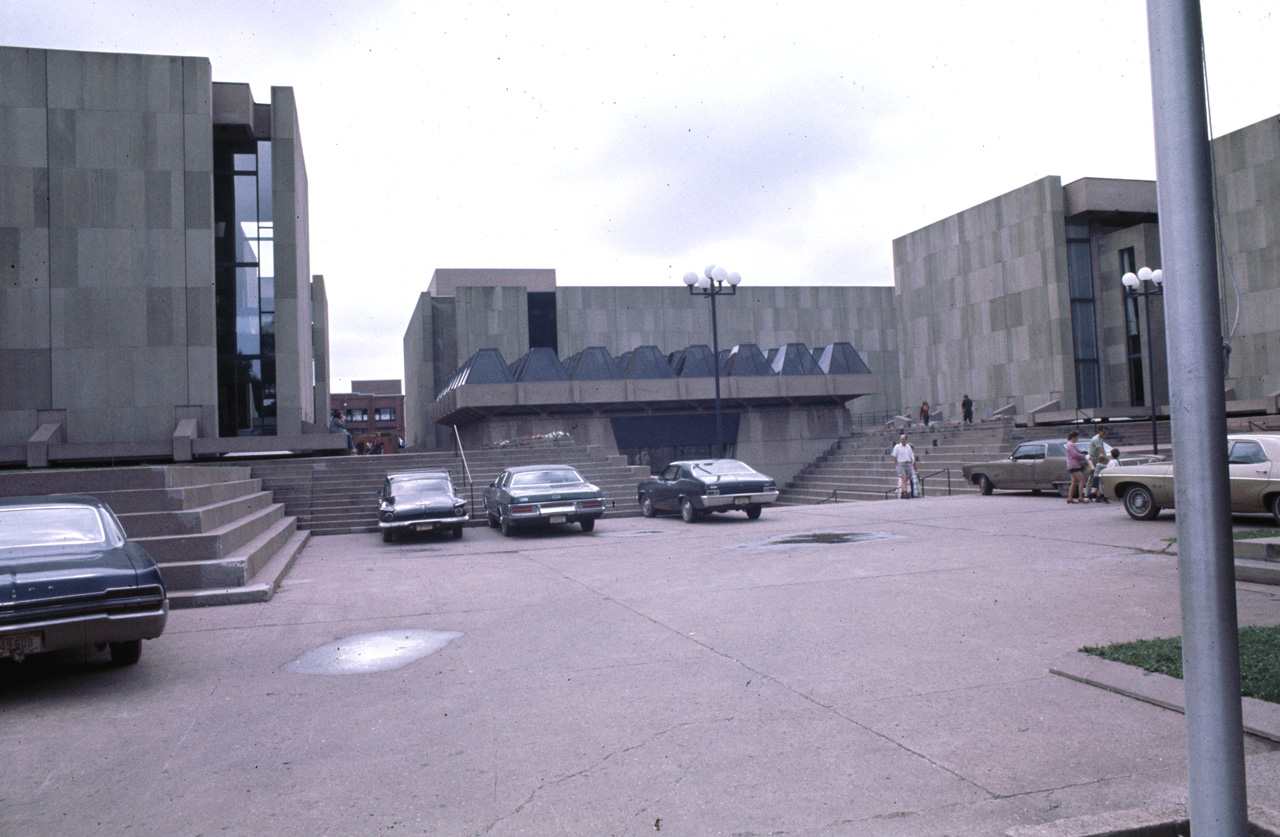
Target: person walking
[966,408]
[1076,461]
[924,413]
[905,458]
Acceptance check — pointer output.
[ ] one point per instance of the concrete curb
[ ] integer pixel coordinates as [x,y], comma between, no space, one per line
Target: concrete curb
[1141,822]
[1261,718]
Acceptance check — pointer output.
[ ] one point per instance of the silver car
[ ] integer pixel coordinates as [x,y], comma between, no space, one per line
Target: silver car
[1033,466]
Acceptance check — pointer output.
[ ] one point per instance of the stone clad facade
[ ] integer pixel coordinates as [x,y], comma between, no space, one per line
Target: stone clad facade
[110,308]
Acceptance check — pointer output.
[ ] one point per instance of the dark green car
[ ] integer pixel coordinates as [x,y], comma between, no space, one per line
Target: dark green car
[542,495]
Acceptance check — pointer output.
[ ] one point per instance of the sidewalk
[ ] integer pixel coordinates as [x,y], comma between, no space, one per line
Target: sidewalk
[878,668]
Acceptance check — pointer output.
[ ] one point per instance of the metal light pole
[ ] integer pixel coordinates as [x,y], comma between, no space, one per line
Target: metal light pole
[1216,794]
[714,281]
[1132,281]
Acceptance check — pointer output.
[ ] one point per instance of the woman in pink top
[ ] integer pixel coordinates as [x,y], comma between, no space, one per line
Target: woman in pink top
[1076,460]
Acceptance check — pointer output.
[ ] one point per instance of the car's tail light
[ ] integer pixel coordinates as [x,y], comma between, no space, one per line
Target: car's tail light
[523,509]
[591,504]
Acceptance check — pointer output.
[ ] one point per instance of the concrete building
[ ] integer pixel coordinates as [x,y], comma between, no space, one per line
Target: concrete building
[375,413]
[156,297]
[1018,301]
[780,418]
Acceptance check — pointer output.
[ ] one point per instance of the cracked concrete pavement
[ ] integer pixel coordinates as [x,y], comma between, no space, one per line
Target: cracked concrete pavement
[653,677]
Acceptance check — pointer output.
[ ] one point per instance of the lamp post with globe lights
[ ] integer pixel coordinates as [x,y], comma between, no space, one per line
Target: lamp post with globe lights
[1135,285]
[715,281]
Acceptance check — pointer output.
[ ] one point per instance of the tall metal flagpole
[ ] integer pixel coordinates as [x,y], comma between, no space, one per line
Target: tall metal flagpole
[1197,408]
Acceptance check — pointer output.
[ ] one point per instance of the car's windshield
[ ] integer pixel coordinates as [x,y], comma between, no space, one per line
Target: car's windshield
[723,467]
[557,476]
[434,485]
[25,526]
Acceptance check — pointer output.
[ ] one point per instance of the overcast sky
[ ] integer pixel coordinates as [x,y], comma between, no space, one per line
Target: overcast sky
[629,144]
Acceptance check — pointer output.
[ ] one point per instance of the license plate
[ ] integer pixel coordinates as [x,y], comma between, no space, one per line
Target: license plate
[557,518]
[741,501]
[31,643]
[423,527]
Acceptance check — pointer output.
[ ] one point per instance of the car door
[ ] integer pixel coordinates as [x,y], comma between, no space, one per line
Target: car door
[1250,473]
[1052,467]
[1020,470]
[492,493]
[665,490]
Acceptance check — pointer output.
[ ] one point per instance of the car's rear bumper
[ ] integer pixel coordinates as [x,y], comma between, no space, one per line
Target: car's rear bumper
[422,525]
[81,630]
[716,502]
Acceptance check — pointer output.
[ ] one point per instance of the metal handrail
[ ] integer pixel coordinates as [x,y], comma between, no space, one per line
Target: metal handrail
[924,477]
[462,453]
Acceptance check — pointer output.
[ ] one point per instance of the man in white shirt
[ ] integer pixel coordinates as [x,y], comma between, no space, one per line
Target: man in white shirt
[905,457]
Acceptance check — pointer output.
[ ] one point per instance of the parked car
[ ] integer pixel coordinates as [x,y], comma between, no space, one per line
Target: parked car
[1253,464]
[69,579]
[698,487]
[1033,466]
[542,495]
[419,501]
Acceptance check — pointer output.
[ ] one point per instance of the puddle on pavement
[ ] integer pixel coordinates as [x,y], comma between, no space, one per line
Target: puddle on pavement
[826,538]
[371,653]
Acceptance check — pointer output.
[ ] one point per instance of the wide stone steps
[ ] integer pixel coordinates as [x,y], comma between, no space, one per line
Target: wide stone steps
[337,495]
[217,537]
[862,467]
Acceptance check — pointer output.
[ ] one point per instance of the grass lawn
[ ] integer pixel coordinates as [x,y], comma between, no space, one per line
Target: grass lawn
[1259,659]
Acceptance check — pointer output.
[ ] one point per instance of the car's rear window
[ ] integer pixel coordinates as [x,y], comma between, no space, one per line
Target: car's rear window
[560,476]
[26,526]
[429,486]
[723,467]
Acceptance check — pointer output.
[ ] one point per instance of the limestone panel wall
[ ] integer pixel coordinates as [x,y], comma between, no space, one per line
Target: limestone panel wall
[295,398]
[1248,172]
[418,384]
[983,306]
[491,318]
[620,319]
[105,197]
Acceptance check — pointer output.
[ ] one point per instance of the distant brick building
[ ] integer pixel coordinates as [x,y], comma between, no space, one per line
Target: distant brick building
[375,413]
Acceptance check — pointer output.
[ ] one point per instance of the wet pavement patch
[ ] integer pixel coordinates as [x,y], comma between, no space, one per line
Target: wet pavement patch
[827,538]
[371,653]
[629,533]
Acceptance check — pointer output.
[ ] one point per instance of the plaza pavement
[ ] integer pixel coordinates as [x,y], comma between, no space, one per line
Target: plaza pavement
[653,677]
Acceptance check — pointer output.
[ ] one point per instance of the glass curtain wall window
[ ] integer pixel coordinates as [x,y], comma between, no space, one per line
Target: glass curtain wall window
[244,250]
[1133,335]
[1084,330]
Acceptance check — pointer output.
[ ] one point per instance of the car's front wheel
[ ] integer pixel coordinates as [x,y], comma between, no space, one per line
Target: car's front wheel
[492,518]
[646,506]
[457,531]
[126,653]
[1139,504]
[588,524]
[753,512]
[505,523]
[388,536]
[984,484]
[687,512]
[1275,508]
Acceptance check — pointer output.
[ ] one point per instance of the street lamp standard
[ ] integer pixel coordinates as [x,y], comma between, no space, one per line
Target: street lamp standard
[714,281]
[1136,286]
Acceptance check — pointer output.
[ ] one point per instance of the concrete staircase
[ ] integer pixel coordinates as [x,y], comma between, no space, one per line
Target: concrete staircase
[336,495]
[860,467]
[217,537]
